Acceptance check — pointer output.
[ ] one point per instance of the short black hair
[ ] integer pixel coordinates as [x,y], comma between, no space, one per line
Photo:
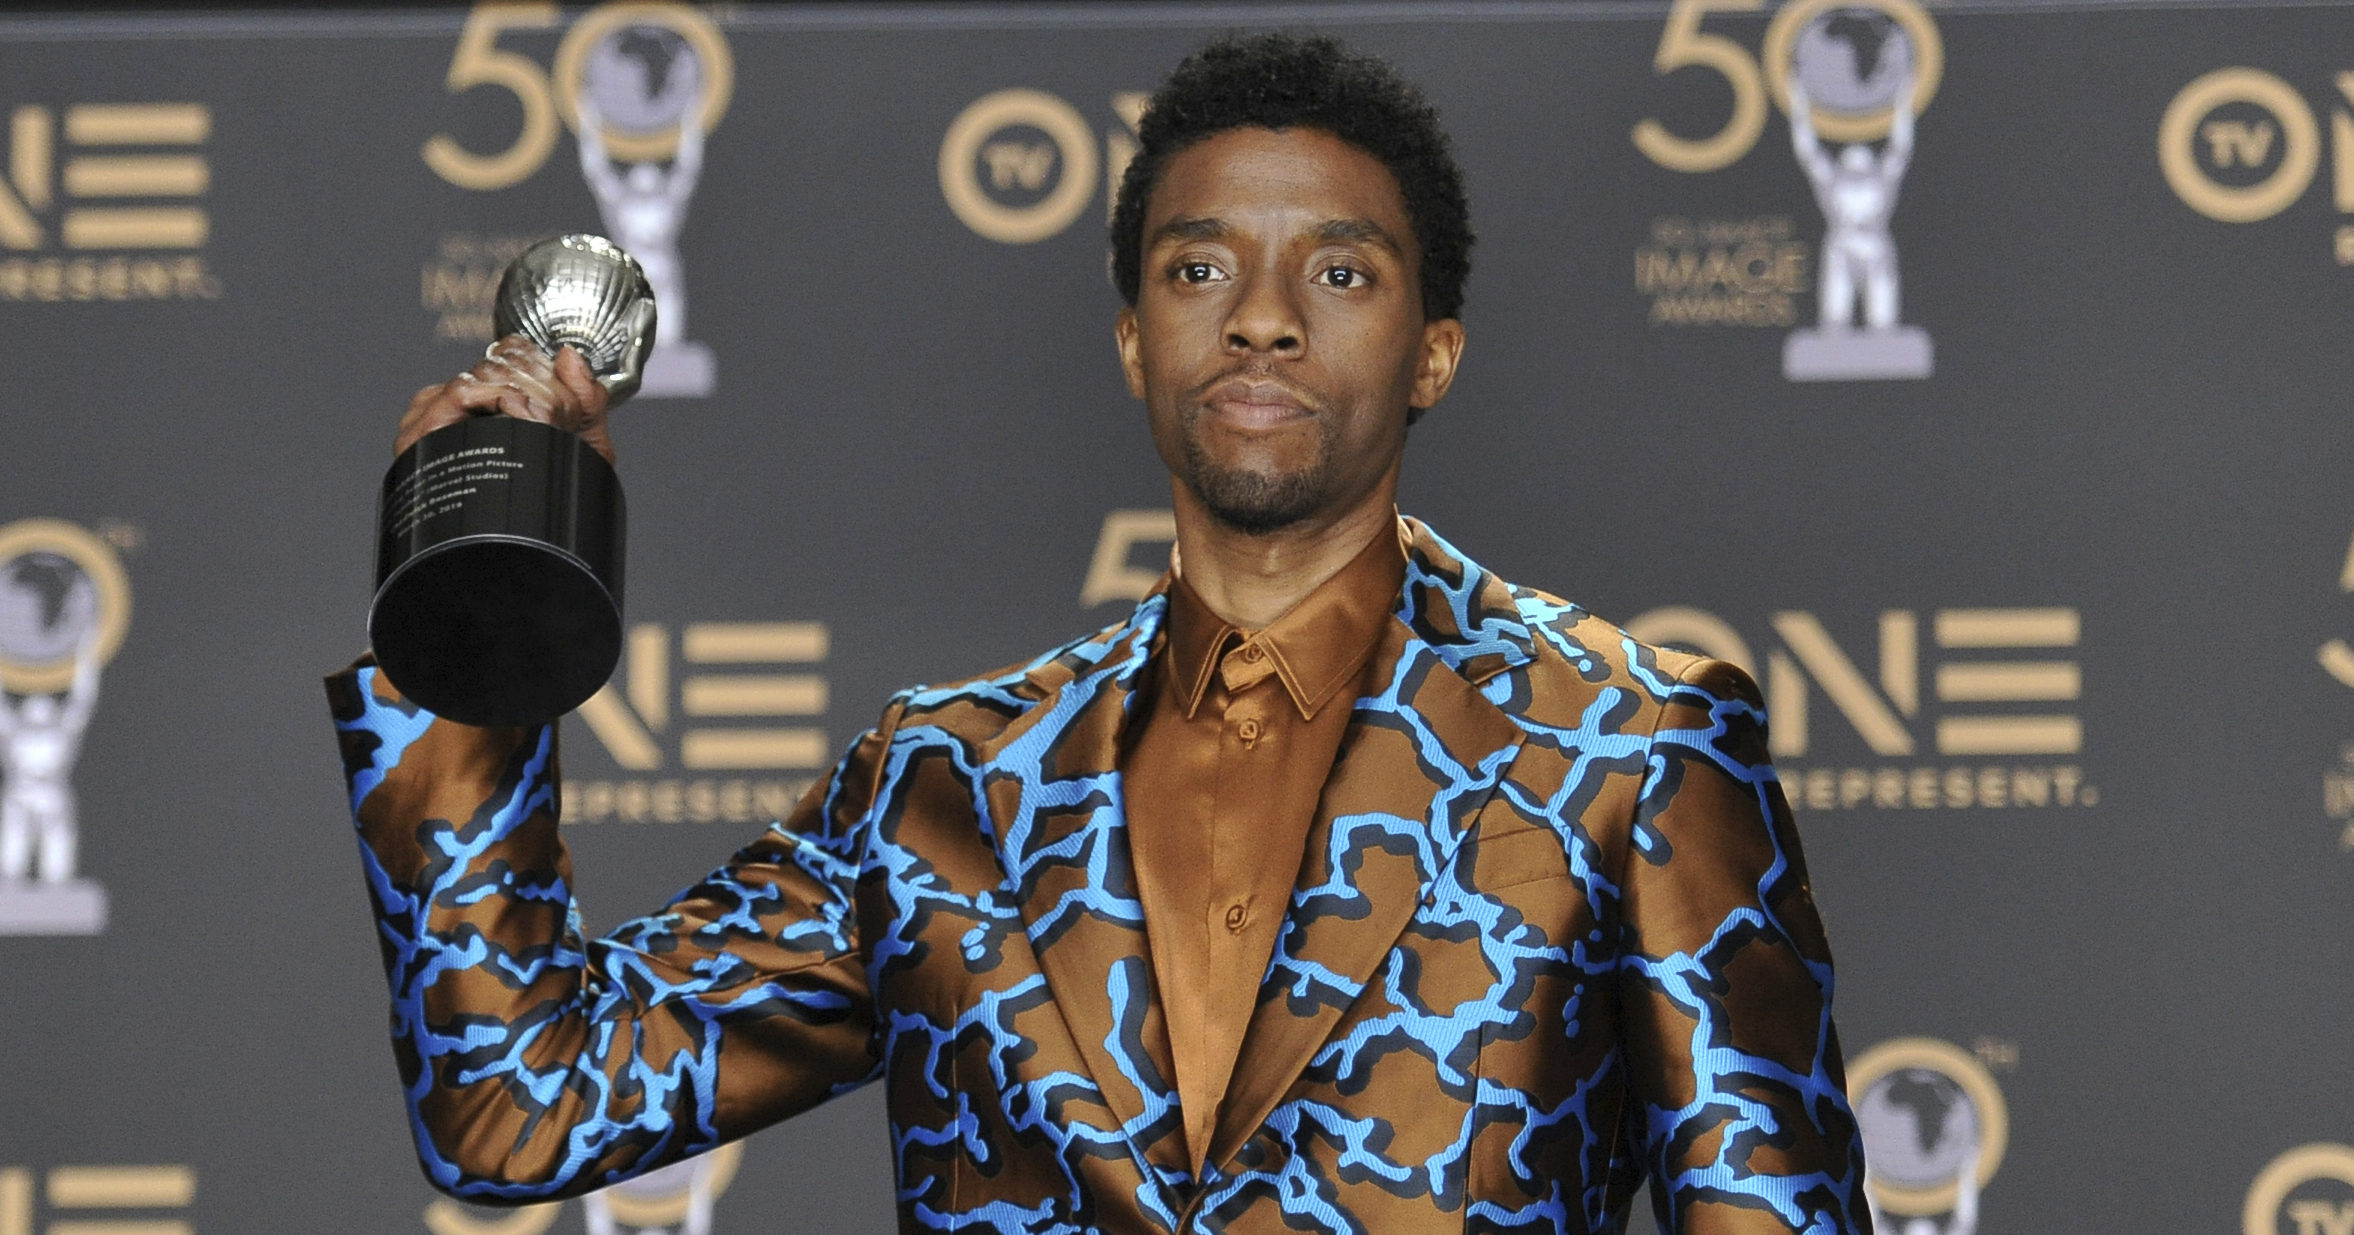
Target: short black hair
[1282,81]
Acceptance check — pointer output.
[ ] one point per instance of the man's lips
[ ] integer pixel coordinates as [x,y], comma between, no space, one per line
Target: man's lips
[1255,404]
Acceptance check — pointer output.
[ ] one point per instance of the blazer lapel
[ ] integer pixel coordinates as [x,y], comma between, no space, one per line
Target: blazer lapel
[1052,793]
[1423,755]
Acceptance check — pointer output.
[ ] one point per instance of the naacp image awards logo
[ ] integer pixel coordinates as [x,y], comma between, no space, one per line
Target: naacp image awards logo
[65,605]
[1935,1127]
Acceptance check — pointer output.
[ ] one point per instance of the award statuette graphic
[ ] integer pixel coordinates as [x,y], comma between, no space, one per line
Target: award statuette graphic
[65,605]
[642,86]
[499,541]
[1847,65]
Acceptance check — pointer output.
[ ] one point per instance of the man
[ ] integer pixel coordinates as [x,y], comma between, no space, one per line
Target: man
[1341,887]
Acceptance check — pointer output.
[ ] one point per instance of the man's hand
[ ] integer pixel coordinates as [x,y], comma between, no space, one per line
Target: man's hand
[516,379]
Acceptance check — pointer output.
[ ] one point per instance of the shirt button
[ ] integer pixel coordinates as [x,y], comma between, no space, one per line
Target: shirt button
[1236,915]
[1248,730]
[1253,653]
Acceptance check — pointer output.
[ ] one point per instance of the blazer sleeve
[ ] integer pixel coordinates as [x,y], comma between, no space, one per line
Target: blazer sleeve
[1739,1105]
[540,1064]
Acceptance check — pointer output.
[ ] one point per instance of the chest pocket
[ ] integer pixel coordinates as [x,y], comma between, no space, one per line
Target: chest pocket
[1514,856]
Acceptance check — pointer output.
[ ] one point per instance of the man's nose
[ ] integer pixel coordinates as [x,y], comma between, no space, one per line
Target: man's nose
[1266,318]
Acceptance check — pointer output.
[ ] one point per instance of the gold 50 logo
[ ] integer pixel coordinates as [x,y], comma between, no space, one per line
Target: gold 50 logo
[641,85]
[548,101]
[2240,145]
[1683,45]
[1019,166]
[1851,76]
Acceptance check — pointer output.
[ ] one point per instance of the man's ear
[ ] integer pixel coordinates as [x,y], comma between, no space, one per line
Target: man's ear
[1434,370]
[1131,350]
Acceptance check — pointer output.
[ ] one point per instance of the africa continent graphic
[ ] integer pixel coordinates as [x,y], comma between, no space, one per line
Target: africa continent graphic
[1920,1129]
[1854,61]
[645,79]
[47,606]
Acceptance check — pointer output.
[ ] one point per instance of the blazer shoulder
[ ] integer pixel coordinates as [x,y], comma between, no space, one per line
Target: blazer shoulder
[1576,654]
[983,702]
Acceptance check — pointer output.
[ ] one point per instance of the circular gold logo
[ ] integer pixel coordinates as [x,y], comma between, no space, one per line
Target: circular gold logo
[1926,1109]
[660,1199]
[1852,100]
[1069,160]
[61,589]
[2269,1197]
[2180,131]
[648,67]
[447,1217]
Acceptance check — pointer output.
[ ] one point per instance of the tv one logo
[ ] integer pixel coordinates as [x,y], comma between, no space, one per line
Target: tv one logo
[1982,716]
[2307,1191]
[99,1200]
[2240,145]
[119,187]
[1020,165]
[715,722]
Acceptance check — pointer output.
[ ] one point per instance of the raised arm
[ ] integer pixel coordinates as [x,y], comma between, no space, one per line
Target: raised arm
[1899,154]
[687,165]
[1725,983]
[594,166]
[81,698]
[538,1063]
[1803,141]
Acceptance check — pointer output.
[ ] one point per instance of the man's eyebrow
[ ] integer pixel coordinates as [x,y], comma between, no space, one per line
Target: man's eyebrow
[1190,229]
[1357,231]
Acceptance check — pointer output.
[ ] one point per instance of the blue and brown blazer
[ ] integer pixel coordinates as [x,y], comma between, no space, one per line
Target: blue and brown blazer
[1552,936]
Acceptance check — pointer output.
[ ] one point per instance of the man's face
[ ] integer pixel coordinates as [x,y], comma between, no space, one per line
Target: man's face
[1278,337]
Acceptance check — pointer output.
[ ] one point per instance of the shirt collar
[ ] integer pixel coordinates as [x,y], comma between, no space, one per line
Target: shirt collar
[1315,647]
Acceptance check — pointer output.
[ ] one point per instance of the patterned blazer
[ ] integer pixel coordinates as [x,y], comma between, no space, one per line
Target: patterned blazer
[1552,935]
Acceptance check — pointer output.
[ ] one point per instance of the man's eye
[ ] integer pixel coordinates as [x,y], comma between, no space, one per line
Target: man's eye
[1196,272]
[1343,276]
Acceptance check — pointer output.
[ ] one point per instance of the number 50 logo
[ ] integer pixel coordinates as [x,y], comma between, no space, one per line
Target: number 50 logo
[544,98]
[1682,45]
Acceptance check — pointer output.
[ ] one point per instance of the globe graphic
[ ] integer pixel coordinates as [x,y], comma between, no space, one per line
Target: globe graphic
[47,605]
[1919,1128]
[1854,61]
[643,80]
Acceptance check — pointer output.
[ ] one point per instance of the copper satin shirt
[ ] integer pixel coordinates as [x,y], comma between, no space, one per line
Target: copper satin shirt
[1221,783]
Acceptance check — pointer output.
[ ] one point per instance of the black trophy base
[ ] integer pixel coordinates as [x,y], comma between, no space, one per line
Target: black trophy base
[498,568]
[496,632]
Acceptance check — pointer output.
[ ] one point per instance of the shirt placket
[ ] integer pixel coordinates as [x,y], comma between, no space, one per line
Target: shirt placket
[1248,745]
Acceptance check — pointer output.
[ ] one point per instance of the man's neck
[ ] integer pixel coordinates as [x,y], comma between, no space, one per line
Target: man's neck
[1252,580]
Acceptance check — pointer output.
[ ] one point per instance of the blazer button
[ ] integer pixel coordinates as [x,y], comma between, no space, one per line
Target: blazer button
[1236,915]
[1252,653]
[1248,730]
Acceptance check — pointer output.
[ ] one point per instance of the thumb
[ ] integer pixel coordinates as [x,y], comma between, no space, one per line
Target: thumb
[572,370]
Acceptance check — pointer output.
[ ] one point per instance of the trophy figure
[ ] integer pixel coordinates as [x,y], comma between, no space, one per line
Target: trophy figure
[499,540]
[1854,63]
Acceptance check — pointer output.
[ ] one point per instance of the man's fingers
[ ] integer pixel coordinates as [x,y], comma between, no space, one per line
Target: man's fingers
[427,415]
[515,378]
[572,371]
[524,407]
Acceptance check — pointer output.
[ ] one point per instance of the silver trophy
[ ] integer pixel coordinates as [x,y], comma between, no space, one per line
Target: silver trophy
[499,541]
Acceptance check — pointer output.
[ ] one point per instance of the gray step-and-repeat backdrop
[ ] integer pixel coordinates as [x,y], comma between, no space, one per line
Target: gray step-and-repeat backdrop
[2004,438]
